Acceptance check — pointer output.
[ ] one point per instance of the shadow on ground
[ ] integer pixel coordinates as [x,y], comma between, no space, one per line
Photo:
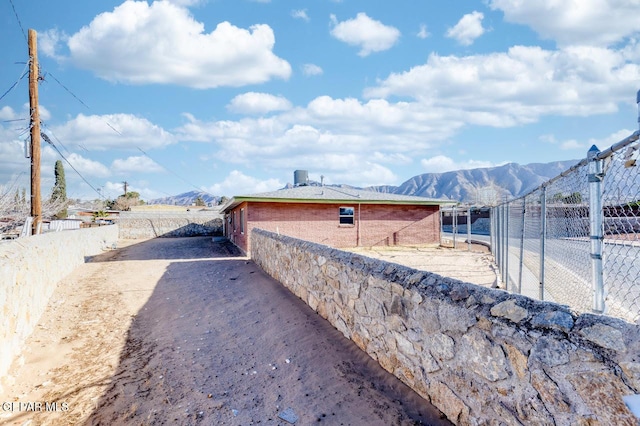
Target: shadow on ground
[220,342]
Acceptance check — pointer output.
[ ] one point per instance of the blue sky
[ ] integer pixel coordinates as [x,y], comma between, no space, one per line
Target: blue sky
[232,96]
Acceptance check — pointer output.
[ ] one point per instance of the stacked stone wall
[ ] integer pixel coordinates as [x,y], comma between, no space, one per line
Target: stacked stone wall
[482,356]
[144,225]
[30,269]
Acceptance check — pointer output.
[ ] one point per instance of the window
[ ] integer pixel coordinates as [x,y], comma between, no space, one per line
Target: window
[347,216]
[242,221]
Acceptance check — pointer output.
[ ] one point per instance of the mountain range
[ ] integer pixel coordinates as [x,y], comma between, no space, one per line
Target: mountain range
[187,199]
[480,186]
[483,186]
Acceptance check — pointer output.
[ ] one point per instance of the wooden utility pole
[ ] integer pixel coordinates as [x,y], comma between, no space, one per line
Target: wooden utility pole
[34,77]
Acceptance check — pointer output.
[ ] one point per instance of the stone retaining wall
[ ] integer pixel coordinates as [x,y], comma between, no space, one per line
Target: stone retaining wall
[143,225]
[482,356]
[30,269]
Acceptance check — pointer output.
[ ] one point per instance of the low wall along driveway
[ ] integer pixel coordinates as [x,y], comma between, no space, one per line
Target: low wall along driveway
[144,225]
[482,356]
[30,269]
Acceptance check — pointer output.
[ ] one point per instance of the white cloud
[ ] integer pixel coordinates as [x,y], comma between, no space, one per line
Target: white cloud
[595,22]
[311,69]
[139,164]
[468,29]
[368,34]
[237,183]
[345,139]
[519,86]
[112,131]
[300,14]
[141,43]
[423,33]
[49,40]
[87,167]
[7,113]
[187,2]
[258,103]
[442,163]
[572,144]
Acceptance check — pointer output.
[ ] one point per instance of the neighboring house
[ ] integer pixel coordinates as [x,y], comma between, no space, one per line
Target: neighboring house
[334,216]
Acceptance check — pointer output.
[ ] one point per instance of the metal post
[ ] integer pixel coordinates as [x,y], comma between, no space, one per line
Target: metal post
[595,227]
[543,237]
[506,245]
[498,239]
[441,225]
[454,223]
[492,229]
[521,266]
[469,228]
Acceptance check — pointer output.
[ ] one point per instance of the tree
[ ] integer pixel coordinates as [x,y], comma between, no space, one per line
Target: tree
[125,202]
[199,201]
[223,199]
[59,193]
[14,210]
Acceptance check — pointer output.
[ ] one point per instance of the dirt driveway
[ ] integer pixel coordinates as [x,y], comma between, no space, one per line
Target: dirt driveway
[474,266]
[185,331]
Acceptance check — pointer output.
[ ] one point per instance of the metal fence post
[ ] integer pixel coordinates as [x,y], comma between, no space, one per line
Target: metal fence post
[521,266]
[492,231]
[506,245]
[543,237]
[596,227]
[469,228]
[441,225]
[454,223]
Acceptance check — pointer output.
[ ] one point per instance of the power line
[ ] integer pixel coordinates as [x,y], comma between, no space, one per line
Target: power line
[19,23]
[67,89]
[56,138]
[25,72]
[46,138]
[174,173]
[81,101]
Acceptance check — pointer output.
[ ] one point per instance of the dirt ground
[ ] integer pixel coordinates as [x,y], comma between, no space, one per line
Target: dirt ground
[185,331]
[473,266]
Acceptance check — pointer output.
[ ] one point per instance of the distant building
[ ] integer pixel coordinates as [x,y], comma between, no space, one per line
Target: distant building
[337,217]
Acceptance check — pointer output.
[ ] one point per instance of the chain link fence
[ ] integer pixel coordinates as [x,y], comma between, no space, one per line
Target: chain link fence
[575,240]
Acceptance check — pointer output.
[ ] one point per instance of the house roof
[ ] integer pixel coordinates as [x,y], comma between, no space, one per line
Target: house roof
[330,194]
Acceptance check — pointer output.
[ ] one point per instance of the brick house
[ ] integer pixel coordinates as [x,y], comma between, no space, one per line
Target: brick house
[337,217]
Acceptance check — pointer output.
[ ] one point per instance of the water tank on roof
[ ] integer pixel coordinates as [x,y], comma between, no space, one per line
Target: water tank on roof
[300,178]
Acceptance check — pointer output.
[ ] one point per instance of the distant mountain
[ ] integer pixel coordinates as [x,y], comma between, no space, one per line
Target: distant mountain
[187,199]
[476,186]
[480,186]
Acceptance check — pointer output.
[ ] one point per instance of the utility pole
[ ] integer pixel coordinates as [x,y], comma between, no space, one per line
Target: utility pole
[125,183]
[34,77]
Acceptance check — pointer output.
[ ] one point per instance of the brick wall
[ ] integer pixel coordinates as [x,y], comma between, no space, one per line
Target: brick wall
[375,224]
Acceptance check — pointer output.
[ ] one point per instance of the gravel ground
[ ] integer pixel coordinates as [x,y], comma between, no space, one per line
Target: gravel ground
[474,266]
[185,331]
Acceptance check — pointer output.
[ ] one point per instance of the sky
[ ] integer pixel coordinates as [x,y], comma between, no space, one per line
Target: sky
[232,96]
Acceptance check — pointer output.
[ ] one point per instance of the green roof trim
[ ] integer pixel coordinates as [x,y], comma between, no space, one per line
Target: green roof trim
[332,195]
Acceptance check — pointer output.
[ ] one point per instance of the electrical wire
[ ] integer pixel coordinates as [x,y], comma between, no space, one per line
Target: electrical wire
[55,137]
[174,173]
[46,138]
[19,22]
[24,73]
[67,89]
